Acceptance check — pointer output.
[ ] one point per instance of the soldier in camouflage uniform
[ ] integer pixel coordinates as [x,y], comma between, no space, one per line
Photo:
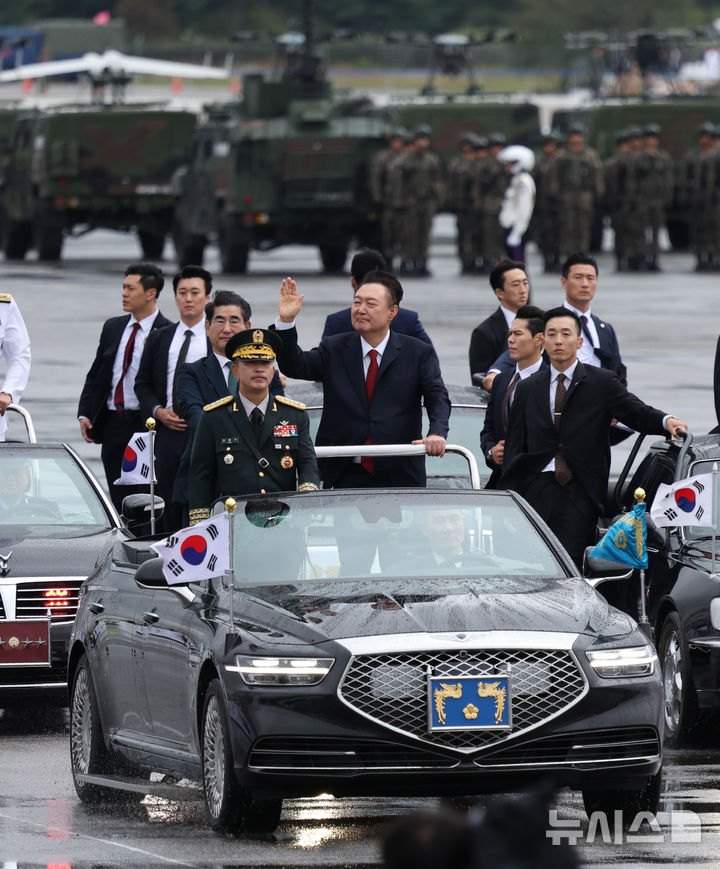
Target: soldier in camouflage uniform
[380,191]
[418,190]
[476,212]
[690,193]
[546,217]
[710,180]
[490,185]
[576,180]
[460,180]
[617,178]
[654,188]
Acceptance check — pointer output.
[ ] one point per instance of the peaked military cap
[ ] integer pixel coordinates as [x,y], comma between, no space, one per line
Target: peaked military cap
[252,345]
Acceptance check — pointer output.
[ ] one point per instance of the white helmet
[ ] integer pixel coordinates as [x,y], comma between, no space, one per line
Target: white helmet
[521,158]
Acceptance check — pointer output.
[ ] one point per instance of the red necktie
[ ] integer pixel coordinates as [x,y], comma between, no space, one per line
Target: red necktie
[370,378]
[119,396]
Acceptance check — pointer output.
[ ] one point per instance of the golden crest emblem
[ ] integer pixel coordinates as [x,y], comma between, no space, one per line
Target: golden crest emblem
[286,462]
[258,336]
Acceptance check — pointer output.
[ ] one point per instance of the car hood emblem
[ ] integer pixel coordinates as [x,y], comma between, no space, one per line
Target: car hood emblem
[4,566]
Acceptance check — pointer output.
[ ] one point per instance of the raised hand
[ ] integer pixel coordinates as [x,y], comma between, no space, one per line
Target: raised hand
[290,302]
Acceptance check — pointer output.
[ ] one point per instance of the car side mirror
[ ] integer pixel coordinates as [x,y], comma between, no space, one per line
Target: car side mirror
[150,575]
[599,570]
[136,510]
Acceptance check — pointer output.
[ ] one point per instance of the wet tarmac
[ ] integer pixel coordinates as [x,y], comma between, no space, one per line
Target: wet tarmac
[667,325]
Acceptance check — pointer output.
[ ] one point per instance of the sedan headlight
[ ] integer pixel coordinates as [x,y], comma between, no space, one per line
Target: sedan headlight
[620,663]
[280,671]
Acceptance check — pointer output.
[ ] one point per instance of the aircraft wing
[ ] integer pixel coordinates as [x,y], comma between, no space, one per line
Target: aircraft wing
[46,69]
[149,66]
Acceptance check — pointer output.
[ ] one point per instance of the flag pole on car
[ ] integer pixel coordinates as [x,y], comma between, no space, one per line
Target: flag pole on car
[230,505]
[150,426]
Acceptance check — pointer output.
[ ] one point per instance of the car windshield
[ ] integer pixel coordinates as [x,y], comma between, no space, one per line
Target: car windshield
[397,535]
[45,494]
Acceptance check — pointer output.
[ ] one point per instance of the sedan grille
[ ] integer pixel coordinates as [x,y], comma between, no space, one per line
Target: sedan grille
[58,596]
[392,689]
[578,748]
[283,753]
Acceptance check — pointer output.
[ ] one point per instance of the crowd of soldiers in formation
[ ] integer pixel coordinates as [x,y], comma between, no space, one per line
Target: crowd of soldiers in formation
[574,190]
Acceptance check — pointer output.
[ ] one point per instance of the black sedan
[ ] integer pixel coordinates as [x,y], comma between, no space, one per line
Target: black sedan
[683,589]
[397,642]
[56,526]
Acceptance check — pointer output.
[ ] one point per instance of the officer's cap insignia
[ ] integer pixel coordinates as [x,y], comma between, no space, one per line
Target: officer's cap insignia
[5,297]
[258,336]
[290,402]
[219,403]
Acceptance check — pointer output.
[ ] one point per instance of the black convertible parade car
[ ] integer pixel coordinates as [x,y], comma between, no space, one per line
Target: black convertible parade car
[393,642]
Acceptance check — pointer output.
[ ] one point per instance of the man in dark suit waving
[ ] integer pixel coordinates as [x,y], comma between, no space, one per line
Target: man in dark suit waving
[557,450]
[406,322]
[374,384]
[109,411]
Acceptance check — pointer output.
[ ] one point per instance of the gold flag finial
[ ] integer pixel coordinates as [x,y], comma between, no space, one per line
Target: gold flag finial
[639,495]
[230,505]
[150,423]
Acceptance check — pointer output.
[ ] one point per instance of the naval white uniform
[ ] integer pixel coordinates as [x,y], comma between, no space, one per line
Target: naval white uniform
[15,350]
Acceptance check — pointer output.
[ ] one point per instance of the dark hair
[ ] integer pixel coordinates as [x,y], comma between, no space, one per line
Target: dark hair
[535,318]
[497,275]
[553,313]
[366,260]
[579,259]
[151,276]
[390,282]
[193,272]
[227,297]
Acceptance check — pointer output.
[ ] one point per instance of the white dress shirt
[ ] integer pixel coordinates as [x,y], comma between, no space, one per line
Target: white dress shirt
[196,350]
[250,407]
[131,400]
[586,354]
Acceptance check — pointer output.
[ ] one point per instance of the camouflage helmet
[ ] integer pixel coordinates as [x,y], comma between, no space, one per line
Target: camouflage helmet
[652,130]
[496,140]
[481,143]
[553,136]
[467,139]
[706,128]
[622,135]
[635,131]
[576,128]
[398,133]
[423,131]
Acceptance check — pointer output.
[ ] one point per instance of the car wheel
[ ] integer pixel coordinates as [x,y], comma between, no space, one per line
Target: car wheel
[680,707]
[223,797]
[646,799]
[88,754]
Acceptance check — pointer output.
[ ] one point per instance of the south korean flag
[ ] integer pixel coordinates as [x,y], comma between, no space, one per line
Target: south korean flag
[196,553]
[686,502]
[135,468]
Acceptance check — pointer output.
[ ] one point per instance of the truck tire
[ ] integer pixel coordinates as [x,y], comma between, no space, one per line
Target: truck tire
[18,235]
[189,249]
[152,244]
[233,255]
[48,241]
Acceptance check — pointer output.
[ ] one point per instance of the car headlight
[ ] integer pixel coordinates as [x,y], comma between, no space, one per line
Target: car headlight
[620,663]
[280,671]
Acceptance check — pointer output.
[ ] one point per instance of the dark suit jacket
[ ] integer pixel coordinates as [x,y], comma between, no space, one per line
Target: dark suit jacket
[487,342]
[409,372]
[594,398]
[95,392]
[151,380]
[407,322]
[608,351]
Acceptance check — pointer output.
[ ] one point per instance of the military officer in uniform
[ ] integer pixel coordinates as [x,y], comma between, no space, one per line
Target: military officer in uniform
[251,441]
[15,348]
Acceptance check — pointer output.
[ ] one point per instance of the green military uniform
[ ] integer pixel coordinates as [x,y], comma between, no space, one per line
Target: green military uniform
[230,459]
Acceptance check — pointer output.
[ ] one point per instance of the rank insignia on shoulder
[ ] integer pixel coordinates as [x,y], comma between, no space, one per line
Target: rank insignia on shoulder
[5,297]
[290,402]
[219,403]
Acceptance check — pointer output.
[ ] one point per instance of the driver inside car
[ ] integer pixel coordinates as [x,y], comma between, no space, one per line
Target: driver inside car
[16,504]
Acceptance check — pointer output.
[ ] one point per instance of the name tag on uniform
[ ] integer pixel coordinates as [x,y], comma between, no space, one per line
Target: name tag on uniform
[225,441]
[285,430]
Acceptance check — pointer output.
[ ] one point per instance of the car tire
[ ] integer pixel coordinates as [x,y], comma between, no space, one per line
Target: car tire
[680,708]
[221,791]
[646,799]
[88,753]
[229,809]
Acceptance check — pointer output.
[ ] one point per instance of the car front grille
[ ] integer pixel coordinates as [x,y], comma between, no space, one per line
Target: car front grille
[311,753]
[58,596]
[391,689]
[579,748]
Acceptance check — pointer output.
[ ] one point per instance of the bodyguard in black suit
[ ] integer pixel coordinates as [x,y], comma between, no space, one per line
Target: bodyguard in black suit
[374,384]
[156,384]
[406,322]
[488,340]
[525,345]
[557,450]
[109,411]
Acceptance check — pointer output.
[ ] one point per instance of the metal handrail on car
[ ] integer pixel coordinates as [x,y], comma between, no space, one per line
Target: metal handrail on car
[27,419]
[687,437]
[389,450]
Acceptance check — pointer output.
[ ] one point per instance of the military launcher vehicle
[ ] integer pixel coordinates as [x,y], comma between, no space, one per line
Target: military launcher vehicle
[74,169]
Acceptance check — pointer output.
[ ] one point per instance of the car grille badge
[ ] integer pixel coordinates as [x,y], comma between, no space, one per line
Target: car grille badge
[4,566]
